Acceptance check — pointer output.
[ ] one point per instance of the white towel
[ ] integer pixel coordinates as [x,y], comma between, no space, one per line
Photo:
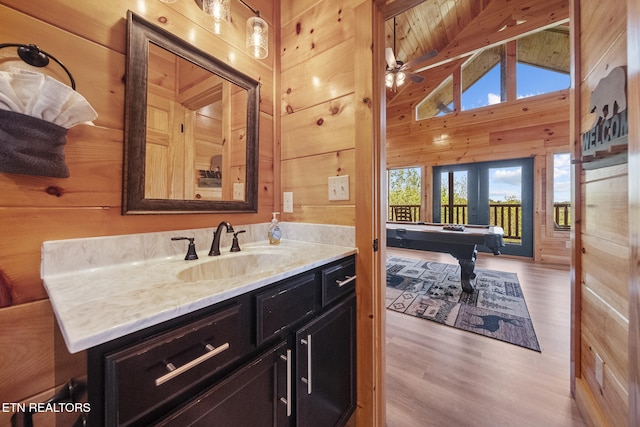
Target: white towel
[43,97]
[18,89]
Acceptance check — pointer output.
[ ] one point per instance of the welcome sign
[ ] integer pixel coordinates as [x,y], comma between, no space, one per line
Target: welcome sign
[606,142]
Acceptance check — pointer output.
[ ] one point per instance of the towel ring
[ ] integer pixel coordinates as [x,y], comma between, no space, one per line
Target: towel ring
[32,55]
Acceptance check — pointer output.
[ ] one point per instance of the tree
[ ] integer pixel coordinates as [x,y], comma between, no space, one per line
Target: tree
[405,186]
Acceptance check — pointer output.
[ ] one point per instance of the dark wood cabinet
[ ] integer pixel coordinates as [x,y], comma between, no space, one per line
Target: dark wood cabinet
[283,355]
[325,368]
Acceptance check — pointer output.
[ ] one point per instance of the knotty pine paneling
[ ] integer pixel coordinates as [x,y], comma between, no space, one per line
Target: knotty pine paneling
[318,79]
[315,31]
[292,9]
[319,129]
[317,108]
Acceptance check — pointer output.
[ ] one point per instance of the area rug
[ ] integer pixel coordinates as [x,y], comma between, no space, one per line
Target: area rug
[431,290]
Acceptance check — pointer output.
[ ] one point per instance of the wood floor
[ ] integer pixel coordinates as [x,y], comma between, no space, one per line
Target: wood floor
[441,376]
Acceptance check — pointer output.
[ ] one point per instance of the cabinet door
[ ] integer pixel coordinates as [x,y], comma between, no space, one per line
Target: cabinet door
[325,368]
[257,395]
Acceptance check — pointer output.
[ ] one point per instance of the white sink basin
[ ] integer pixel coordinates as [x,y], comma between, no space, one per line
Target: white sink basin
[226,266]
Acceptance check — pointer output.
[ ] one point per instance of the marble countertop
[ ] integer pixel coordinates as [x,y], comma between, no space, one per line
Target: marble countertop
[96,305]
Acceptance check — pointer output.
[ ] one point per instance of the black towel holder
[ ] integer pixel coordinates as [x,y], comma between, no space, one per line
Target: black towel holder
[33,55]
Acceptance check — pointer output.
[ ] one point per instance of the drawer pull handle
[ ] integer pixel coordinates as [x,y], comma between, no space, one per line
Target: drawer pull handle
[307,380]
[348,279]
[287,400]
[211,351]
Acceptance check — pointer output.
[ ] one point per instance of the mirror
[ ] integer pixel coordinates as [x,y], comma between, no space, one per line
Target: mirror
[191,128]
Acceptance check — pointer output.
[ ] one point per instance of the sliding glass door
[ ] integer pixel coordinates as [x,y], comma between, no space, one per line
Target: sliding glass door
[496,193]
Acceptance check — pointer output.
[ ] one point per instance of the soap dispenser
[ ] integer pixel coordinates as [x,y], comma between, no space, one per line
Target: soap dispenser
[274,234]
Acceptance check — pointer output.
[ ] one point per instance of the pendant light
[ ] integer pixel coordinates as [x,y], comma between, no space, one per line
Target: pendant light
[257,37]
[218,14]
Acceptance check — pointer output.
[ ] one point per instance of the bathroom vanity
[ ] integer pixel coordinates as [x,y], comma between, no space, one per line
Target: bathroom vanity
[261,337]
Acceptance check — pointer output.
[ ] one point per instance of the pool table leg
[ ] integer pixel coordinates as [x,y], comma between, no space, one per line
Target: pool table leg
[466,272]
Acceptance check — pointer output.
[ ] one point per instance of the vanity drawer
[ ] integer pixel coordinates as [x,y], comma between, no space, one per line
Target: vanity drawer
[146,376]
[338,280]
[283,306]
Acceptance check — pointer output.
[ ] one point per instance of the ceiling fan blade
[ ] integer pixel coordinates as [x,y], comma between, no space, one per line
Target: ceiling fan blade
[391,58]
[422,58]
[415,77]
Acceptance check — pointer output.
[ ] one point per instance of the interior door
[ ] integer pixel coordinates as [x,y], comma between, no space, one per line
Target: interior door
[494,193]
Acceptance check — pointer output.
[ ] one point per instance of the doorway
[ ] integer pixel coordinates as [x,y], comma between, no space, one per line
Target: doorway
[497,193]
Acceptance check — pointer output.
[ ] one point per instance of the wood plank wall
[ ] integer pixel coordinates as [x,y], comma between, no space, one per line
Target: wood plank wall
[633,87]
[318,107]
[534,127]
[89,37]
[603,268]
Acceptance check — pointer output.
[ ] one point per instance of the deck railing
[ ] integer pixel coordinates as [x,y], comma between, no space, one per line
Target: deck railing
[505,215]
[562,215]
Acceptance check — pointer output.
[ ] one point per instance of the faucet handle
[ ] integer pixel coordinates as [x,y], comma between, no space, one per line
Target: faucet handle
[191,251]
[235,246]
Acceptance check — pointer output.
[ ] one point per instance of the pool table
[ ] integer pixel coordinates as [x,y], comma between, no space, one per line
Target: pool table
[462,244]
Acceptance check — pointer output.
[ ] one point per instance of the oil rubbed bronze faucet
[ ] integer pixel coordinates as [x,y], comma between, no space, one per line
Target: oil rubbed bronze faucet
[215,245]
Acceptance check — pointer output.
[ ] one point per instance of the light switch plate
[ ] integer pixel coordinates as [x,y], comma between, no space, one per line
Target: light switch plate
[238,191]
[287,202]
[339,187]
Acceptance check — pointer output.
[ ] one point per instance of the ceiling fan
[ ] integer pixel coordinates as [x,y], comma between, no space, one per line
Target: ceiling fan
[397,71]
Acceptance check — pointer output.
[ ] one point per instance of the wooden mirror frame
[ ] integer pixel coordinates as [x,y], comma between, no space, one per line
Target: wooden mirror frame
[139,34]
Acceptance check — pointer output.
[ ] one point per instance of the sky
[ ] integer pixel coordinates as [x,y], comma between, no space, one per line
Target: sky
[531,81]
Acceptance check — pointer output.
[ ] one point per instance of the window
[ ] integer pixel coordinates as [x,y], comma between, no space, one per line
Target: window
[534,81]
[454,205]
[481,79]
[543,71]
[498,193]
[561,191]
[405,189]
[505,200]
[438,103]
[543,66]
